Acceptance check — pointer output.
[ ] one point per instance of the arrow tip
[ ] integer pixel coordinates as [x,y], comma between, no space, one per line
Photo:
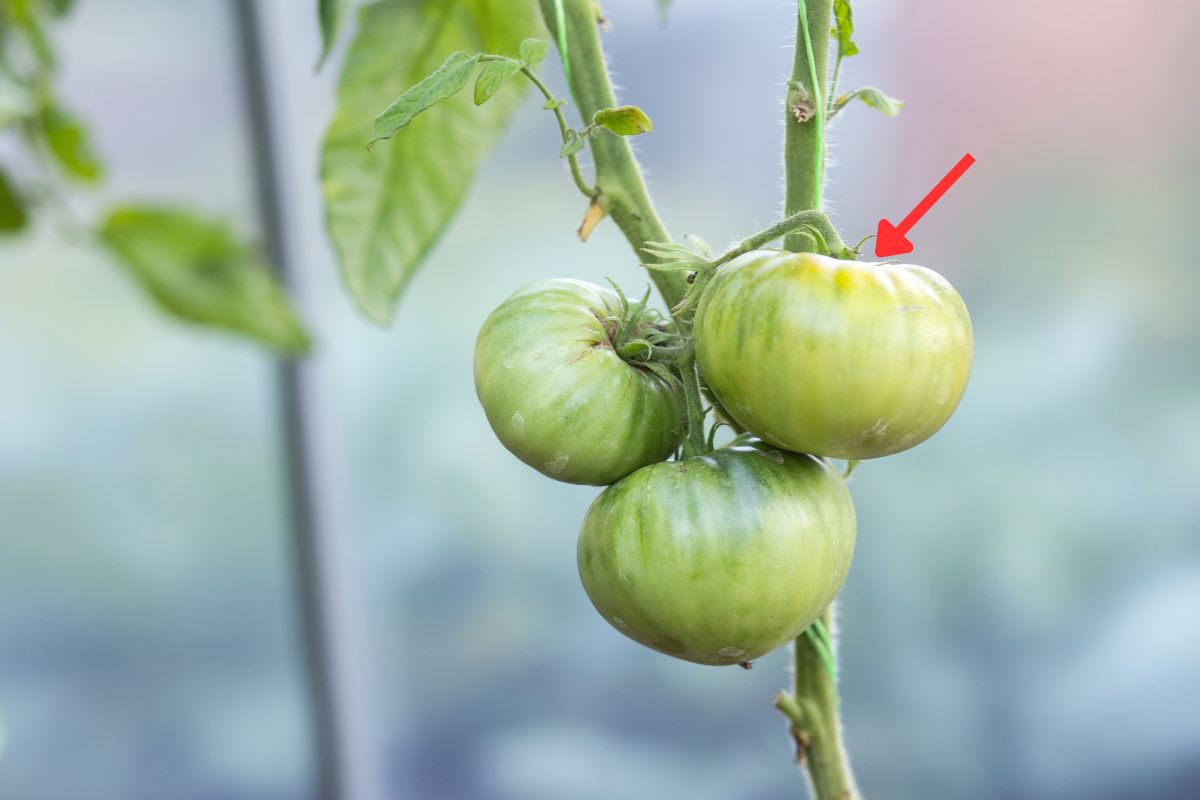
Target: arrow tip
[889,241]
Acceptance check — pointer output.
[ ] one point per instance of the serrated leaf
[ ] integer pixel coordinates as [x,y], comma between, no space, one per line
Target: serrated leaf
[872,97]
[386,207]
[199,272]
[13,217]
[572,145]
[624,121]
[492,76]
[843,30]
[69,142]
[448,80]
[331,14]
[533,51]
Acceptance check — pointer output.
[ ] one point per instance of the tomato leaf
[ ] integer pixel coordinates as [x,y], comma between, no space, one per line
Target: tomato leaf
[199,272]
[843,30]
[70,143]
[572,145]
[13,217]
[449,79]
[386,207]
[533,51]
[493,76]
[873,98]
[624,121]
[331,14]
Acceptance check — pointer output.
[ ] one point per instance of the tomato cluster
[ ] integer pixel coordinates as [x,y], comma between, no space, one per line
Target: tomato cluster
[722,556]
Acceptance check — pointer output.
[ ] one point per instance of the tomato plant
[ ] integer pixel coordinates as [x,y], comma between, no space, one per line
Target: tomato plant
[836,358]
[715,555]
[720,558]
[558,395]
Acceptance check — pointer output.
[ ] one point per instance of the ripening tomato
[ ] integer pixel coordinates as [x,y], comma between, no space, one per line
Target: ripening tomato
[720,558]
[559,397]
[835,358]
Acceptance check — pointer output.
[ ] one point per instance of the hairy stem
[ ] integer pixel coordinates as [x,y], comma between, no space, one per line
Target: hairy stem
[621,188]
[812,705]
[817,220]
[812,708]
[804,138]
[694,442]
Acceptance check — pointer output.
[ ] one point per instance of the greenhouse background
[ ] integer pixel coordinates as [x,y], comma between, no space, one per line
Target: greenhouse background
[1021,618]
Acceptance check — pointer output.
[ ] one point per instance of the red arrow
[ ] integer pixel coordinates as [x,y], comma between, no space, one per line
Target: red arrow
[890,240]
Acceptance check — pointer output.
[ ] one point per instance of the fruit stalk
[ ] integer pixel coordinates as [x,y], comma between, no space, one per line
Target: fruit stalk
[812,706]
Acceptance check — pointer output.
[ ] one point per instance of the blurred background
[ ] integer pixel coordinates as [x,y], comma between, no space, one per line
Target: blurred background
[1022,617]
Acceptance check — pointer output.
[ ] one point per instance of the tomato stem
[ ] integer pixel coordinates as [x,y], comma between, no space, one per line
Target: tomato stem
[812,706]
[695,442]
[555,106]
[621,188]
[804,138]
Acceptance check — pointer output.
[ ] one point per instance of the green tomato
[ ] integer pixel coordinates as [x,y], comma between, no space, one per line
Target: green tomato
[721,558]
[557,394]
[835,358]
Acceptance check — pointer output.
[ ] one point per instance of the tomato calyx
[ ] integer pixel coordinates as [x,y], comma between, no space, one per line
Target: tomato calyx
[639,333]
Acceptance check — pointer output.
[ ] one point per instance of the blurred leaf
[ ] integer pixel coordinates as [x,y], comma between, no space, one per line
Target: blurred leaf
[448,80]
[872,97]
[61,8]
[494,75]
[331,14]
[16,104]
[70,144]
[533,51]
[624,121]
[843,30]
[664,9]
[12,207]
[198,271]
[386,207]
[25,18]
[572,145]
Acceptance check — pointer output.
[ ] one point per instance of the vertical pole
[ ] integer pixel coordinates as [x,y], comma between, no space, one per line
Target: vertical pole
[340,743]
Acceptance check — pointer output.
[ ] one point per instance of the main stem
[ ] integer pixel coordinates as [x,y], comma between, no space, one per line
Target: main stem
[812,707]
[804,122]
